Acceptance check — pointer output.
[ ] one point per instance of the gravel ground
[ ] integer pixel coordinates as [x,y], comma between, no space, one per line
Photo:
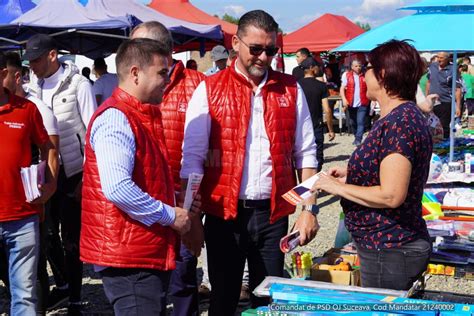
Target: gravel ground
[336,152]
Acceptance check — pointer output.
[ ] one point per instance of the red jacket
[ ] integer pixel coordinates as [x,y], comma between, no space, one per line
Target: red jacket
[229,106]
[109,237]
[173,110]
[350,89]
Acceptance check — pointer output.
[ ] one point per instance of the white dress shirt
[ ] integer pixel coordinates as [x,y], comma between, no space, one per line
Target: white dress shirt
[256,183]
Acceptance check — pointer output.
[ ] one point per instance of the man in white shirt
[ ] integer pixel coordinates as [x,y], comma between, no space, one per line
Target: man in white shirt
[105,83]
[69,94]
[245,127]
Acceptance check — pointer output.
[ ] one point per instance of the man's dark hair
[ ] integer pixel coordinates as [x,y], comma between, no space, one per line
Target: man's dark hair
[138,51]
[467,59]
[158,32]
[304,51]
[99,64]
[86,72]
[3,60]
[13,59]
[259,19]
[390,62]
[463,67]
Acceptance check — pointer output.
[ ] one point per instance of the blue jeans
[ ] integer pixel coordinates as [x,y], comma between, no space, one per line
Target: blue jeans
[357,118]
[394,268]
[20,240]
[134,292]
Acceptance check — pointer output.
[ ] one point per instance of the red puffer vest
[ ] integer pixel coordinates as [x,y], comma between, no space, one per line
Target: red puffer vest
[109,237]
[350,89]
[173,110]
[229,96]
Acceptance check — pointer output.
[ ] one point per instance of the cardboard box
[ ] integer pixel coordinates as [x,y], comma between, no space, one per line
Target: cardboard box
[320,270]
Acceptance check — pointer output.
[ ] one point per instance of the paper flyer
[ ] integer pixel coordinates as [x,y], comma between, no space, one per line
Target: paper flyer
[32,176]
[290,241]
[301,192]
[194,181]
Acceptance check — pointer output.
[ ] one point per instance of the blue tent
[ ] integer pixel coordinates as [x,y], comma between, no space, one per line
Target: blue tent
[438,25]
[92,33]
[434,28]
[11,9]
[73,30]
[182,31]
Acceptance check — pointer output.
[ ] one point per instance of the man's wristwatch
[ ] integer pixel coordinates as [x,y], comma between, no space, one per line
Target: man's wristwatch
[313,209]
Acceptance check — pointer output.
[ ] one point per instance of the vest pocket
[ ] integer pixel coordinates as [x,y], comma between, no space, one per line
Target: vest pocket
[80,144]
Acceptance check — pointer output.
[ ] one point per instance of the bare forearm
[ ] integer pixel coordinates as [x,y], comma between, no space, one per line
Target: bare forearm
[458,99]
[373,197]
[328,112]
[306,173]
[342,94]
[49,153]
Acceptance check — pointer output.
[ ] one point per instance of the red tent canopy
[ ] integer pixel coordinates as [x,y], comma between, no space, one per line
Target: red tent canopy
[325,33]
[184,10]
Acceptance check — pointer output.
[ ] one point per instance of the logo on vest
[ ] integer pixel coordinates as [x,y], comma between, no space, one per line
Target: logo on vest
[282,102]
[182,107]
[16,125]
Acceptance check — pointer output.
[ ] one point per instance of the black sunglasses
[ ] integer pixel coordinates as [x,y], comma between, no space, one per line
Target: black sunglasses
[257,50]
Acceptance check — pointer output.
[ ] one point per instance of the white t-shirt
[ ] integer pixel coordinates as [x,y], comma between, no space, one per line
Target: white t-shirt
[49,120]
[105,85]
[357,101]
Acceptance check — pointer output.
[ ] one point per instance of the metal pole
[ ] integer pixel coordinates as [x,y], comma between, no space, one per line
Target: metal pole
[453,107]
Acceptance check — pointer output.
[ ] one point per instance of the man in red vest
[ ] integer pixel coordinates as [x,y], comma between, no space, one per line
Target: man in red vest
[354,96]
[183,290]
[130,227]
[247,128]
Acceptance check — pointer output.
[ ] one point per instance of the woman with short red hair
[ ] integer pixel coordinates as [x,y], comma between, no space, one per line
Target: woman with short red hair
[382,186]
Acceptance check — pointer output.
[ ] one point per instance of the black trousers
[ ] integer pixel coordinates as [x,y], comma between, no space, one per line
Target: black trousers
[319,136]
[63,251]
[136,292]
[183,289]
[395,268]
[250,236]
[443,112]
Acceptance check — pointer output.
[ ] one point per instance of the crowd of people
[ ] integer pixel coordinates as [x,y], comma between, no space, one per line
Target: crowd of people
[119,152]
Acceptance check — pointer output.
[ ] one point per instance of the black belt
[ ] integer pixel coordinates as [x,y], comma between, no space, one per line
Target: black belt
[255,203]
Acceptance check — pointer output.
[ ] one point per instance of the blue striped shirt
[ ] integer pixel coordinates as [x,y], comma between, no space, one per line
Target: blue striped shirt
[113,142]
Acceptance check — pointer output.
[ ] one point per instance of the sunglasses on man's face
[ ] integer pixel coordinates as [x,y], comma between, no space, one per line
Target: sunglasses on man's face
[257,50]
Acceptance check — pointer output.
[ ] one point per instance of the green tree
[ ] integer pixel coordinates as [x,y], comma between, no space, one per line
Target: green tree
[229,18]
[365,26]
